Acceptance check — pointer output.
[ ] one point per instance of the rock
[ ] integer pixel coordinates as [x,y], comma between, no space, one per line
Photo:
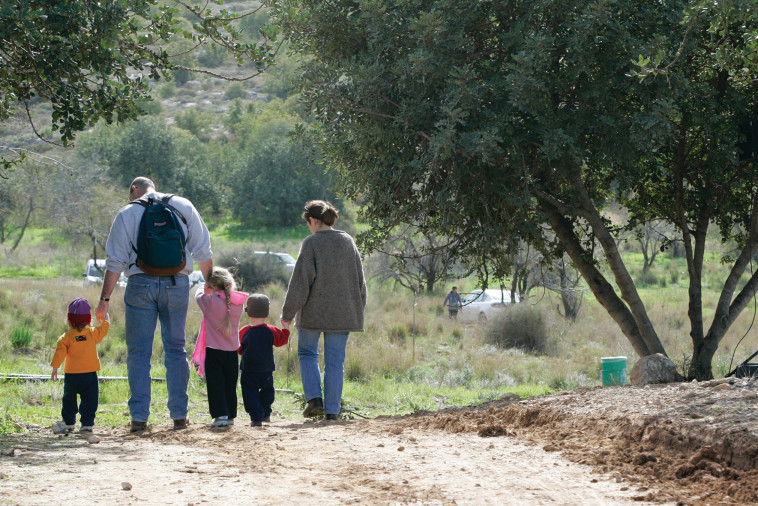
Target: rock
[653,369]
[93,439]
[722,386]
[126,485]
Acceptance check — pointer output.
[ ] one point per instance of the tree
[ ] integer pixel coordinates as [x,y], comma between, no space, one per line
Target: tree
[274,175]
[173,158]
[529,116]
[92,60]
[415,260]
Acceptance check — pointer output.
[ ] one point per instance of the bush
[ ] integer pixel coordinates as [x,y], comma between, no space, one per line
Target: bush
[235,90]
[398,333]
[21,336]
[251,271]
[521,326]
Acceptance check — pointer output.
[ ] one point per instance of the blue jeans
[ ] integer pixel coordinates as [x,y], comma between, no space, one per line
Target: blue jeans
[147,300]
[334,359]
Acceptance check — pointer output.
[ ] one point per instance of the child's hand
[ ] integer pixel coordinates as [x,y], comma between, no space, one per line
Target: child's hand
[286,324]
[54,375]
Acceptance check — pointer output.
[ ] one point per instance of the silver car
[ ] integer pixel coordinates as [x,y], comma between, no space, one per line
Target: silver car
[285,260]
[481,305]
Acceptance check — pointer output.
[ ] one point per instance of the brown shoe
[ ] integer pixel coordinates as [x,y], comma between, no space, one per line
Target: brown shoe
[181,424]
[137,426]
[315,407]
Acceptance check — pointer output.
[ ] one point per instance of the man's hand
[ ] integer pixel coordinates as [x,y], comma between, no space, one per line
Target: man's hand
[101,312]
[54,375]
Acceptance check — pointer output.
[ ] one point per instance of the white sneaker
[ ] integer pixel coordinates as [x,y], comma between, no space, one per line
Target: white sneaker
[60,427]
[86,428]
[221,421]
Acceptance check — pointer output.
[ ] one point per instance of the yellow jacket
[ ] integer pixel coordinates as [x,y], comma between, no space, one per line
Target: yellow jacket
[79,349]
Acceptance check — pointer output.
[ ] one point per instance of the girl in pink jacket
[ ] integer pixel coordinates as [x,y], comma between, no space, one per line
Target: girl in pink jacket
[222,308]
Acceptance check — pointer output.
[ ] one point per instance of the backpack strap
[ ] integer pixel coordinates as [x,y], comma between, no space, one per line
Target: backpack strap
[165,200]
[145,204]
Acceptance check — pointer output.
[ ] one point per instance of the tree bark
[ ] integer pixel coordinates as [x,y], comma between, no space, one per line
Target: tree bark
[23,227]
[623,280]
[603,290]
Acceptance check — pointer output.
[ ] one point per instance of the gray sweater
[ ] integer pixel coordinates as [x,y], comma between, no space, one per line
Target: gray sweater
[327,290]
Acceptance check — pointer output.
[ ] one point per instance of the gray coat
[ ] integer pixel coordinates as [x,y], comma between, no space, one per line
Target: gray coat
[327,290]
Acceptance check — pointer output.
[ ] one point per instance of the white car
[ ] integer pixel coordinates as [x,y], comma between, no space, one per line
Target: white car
[94,271]
[195,278]
[481,305]
[285,260]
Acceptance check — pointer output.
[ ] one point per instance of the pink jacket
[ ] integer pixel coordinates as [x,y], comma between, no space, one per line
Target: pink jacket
[211,332]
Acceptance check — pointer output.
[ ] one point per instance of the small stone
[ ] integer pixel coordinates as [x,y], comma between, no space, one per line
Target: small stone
[3,476]
[401,448]
[93,439]
[380,445]
[126,485]
[180,491]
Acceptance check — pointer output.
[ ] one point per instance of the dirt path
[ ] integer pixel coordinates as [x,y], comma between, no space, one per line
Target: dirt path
[362,462]
[690,443]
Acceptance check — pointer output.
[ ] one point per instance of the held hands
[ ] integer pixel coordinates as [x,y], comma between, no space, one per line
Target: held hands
[286,324]
[101,312]
[54,375]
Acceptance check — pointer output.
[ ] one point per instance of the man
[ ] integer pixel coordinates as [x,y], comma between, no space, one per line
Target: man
[453,303]
[149,298]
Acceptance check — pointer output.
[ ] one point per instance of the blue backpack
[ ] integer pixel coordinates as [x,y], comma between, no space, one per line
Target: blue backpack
[160,242]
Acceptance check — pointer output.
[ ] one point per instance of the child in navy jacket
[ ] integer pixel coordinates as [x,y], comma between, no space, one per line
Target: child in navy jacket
[257,342]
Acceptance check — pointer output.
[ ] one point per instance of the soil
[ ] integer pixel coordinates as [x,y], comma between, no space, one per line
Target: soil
[689,443]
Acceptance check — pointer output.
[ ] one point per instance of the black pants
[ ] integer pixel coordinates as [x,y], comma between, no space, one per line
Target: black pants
[86,387]
[221,370]
[258,394]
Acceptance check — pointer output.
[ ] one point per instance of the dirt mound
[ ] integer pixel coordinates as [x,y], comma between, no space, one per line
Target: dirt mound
[697,441]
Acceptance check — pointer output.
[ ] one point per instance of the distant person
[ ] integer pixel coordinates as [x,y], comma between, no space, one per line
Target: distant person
[78,347]
[453,303]
[152,297]
[221,314]
[257,342]
[326,294]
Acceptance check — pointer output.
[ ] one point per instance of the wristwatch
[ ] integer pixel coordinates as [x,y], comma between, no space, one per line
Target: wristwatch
[106,299]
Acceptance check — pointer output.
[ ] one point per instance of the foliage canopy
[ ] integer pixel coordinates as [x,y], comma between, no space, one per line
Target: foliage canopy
[529,117]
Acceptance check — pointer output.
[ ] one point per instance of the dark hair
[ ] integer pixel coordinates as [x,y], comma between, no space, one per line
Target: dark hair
[322,211]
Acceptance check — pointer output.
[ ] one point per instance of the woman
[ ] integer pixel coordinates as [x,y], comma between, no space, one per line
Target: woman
[326,294]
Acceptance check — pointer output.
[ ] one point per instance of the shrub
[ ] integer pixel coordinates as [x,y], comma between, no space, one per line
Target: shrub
[250,270]
[235,90]
[21,336]
[521,326]
[398,333]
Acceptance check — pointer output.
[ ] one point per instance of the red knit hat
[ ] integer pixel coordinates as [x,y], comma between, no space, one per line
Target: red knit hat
[79,312]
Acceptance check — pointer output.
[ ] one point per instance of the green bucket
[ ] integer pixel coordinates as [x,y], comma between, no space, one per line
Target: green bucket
[614,371]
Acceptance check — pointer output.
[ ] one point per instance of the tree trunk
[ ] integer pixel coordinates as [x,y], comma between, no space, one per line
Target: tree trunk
[23,227]
[603,291]
[624,281]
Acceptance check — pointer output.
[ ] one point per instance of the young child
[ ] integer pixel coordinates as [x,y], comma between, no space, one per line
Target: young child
[256,347]
[78,347]
[221,311]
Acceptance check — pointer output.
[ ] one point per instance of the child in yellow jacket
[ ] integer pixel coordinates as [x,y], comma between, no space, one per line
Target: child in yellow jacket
[78,347]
